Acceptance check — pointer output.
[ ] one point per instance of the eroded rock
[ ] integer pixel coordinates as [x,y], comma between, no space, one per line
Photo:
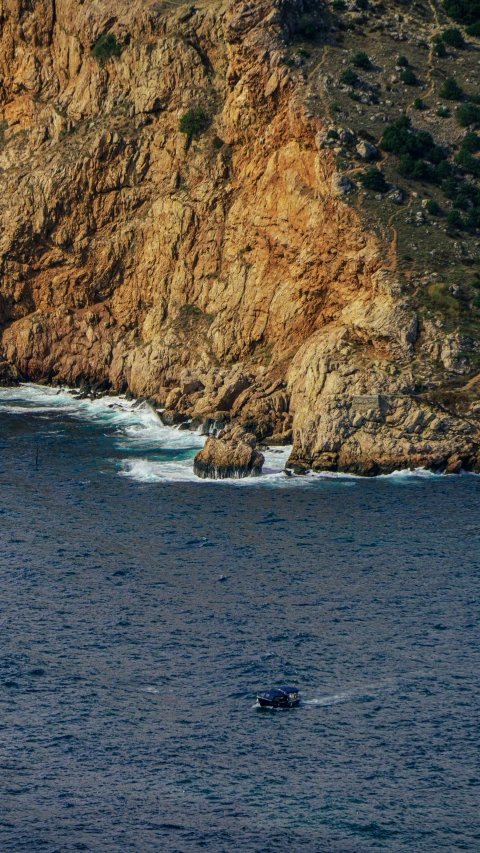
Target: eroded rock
[232,454]
[9,374]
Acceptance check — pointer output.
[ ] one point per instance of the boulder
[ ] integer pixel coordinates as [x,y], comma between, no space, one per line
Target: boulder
[232,454]
[9,375]
[172,418]
[229,392]
[340,185]
[191,385]
[454,464]
[173,398]
[395,195]
[346,136]
[367,151]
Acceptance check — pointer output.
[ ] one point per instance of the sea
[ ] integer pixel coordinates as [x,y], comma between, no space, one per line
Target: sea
[141,610]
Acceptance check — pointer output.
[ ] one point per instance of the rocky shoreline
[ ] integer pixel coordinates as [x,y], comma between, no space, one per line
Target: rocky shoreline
[226,275]
[370,435]
[232,454]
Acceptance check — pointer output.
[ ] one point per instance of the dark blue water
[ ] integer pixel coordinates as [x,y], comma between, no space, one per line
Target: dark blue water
[128,669]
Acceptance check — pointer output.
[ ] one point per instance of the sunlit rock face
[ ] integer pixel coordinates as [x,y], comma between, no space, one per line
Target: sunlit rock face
[227,266]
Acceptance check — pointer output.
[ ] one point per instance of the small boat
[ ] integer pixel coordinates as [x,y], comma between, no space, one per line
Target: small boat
[279,697]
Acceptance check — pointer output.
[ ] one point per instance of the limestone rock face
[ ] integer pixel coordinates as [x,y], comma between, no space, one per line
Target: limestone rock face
[9,374]
[367,151]
[232,454]
[224,277]
[370,423]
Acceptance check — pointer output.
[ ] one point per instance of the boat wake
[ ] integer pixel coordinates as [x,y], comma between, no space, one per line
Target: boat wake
[366,691]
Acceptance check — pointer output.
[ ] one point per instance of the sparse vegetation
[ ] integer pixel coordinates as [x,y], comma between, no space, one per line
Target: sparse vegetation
[450,90]
[193,122]
[308,27]
[408,77]
[439,298]
[374,179]
[454,38]
[467,114]
[440,49]
[348,77]
[468,162]
[443,112]
[471,142]
[360,59]
[454,219]
[463,11]
[433,207]
[105,47]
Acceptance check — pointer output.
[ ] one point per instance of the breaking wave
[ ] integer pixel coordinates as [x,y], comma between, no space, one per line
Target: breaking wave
[149,452]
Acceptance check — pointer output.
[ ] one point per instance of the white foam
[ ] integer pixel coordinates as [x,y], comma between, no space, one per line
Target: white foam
[365,690]
[135,424]
[150,471]
[335,699]
[139,427]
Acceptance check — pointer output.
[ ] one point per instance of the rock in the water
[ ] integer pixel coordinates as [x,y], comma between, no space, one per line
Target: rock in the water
[171,418]
[232,454]
[9,374]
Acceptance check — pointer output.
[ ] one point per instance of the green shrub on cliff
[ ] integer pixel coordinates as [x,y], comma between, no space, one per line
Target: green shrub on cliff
[463,11]
[105,47]
[193,122]
[408,77]
[348,77]
[433,207]
[454,219]
[454,38]
[471,142]
[450,90]
[400,138]
[361,60]
[374,179]
[440,49]
[308,27]
[468,162]
[468,114]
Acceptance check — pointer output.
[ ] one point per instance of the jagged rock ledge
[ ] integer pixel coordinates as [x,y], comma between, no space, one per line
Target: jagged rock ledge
[9,374]
[232,454]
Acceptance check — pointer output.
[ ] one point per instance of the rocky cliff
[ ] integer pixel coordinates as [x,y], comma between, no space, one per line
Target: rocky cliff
[177,224]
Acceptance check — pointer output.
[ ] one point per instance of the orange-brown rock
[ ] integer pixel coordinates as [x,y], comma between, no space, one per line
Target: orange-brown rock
[224,273]
[231,454]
